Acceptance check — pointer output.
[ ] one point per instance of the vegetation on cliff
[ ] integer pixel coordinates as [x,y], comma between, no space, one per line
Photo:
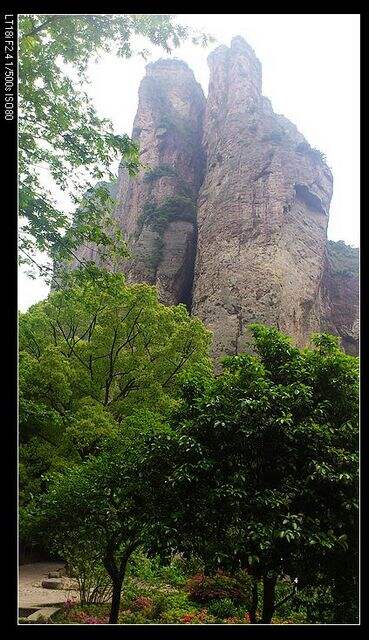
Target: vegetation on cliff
[343,259]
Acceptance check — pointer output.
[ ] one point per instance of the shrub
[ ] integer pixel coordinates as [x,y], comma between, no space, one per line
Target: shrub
[274,136]
[203,588]
[197,617]
[223,608]
[91,614]
[169,607]
[162,170]
[343,259]
[174,208]
[94,584]
[131,617]
[141,603]
[160,605]
[173,575]
[187,567]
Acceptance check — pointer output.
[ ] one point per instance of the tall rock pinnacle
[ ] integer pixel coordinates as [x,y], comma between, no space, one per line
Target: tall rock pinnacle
[262,211]
[230,213]
[157,210]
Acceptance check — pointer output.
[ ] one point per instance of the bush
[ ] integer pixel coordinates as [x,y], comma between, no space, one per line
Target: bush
[188,567]
[141,603]
[162,170]
[343,259]
[73,613]
[94,583]
[152,571]
[204,589]
[157,217]
[274,136]
[165,602]
[160,605]
[173,574]
[199,617]
[131,617]
[223,608]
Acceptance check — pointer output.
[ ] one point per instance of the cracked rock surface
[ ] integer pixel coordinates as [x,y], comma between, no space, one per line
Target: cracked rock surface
[262,211]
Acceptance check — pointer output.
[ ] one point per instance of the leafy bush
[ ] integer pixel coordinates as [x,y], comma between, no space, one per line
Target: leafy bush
[274,136]
[162,602]
[72,613]
[203,588]
[141,603]
[187,567]
[160,605]
[162,170]
[152,571]
[223,608]
[199,617]
[132,617]
[157,217]
[173,574]
[94,584]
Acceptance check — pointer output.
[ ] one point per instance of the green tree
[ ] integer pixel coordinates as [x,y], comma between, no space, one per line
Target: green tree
[262,469]
[99,509]
[90,354]
[59,129]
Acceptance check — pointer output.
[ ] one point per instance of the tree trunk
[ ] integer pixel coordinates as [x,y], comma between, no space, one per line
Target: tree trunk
[115,600]
[268,599]
[254,601]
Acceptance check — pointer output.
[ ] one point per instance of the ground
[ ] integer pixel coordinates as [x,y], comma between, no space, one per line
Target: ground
[31,593]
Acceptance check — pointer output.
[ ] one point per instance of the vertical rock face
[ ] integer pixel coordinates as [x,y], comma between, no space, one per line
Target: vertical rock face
[340,294]
[262,211]
[233,191]
[157,210]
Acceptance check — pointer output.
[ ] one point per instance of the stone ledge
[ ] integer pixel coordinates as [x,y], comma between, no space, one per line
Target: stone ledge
[43,614]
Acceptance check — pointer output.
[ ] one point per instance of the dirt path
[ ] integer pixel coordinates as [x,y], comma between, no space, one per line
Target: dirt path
[31,593]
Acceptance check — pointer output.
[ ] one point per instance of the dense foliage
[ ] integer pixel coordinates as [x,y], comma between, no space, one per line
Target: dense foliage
[262,469]
[99,506]
[92,354]
[252,473]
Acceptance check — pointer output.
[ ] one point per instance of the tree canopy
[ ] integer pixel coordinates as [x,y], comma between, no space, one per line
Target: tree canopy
[262,466]
[91,354]
[100,507]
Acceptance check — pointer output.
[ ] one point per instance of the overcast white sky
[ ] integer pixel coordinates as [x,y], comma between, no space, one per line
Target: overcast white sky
[311,71]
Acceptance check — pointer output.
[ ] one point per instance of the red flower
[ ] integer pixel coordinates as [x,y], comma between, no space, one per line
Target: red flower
[188,617]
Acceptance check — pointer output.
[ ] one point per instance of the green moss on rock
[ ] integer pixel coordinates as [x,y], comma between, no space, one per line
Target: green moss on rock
[343,259]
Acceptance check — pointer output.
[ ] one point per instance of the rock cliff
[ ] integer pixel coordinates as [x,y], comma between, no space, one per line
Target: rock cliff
[262,211]
[230,213]
[157,210]
[340,294]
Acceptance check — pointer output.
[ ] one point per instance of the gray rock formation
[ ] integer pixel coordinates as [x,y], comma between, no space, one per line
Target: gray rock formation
[262,211]
[340,294]
[157,210]
[230,212]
